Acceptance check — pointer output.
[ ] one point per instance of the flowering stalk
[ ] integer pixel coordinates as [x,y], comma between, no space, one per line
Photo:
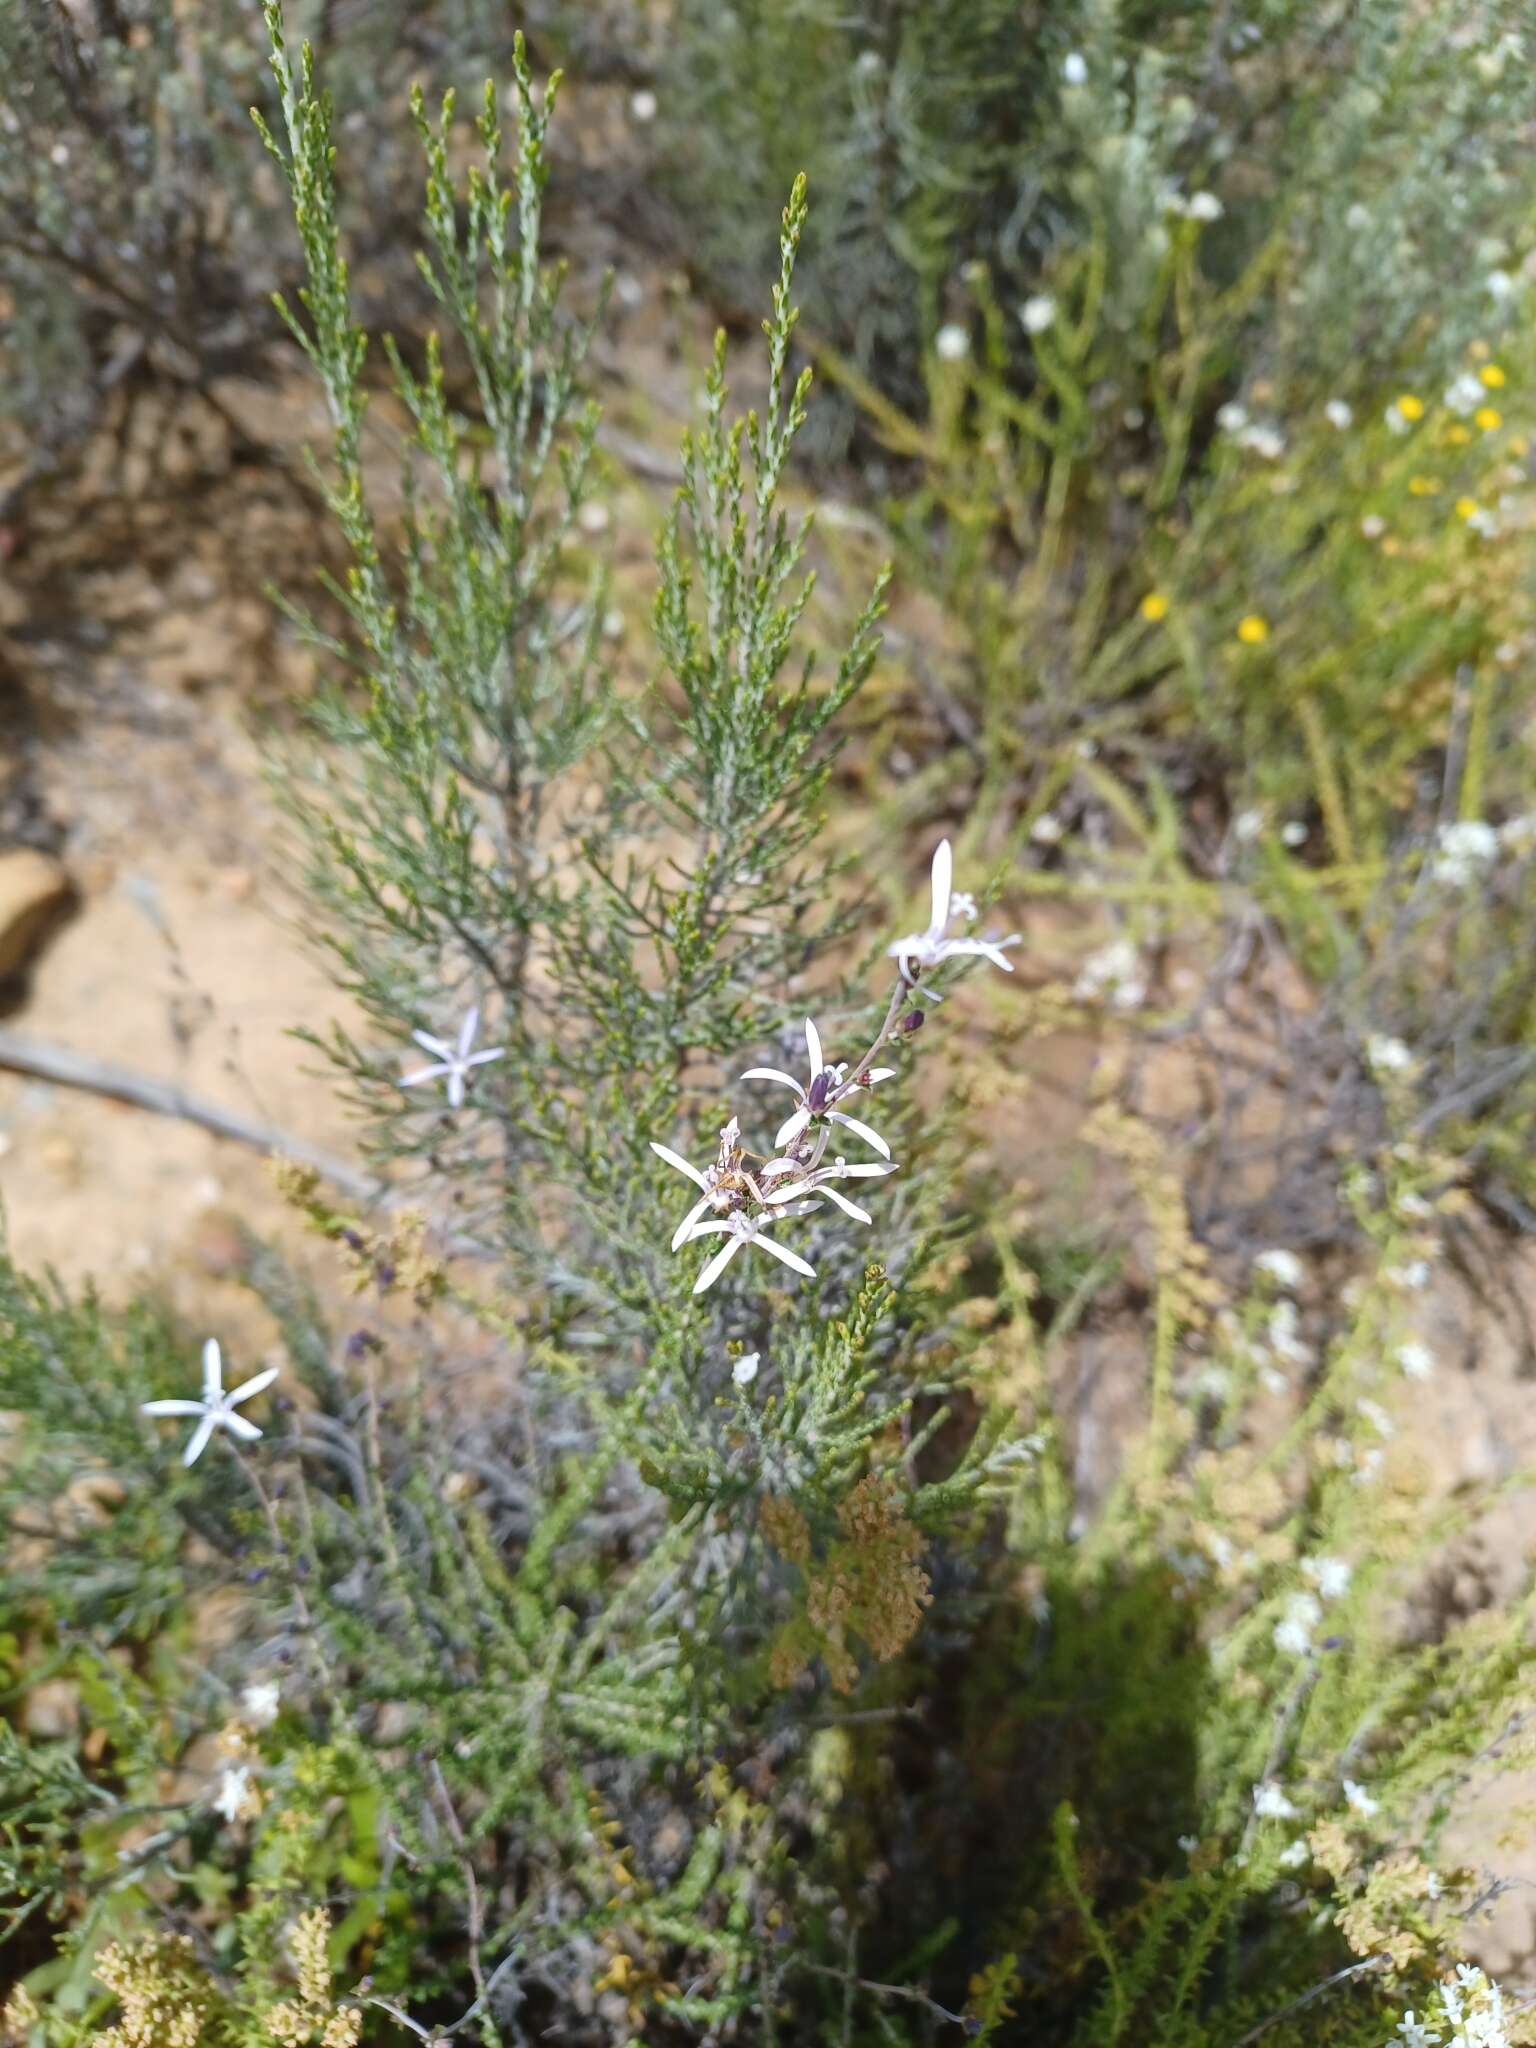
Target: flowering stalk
[740,1194]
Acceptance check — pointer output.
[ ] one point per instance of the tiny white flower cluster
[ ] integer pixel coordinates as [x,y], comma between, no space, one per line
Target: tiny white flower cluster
[1114,975]
[1468,2012]
[1464,852]
[740,1195]
[1260,437]
[1330,1576]
[1202,206]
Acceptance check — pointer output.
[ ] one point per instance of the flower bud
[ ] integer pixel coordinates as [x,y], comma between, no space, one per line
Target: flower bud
[913,1021]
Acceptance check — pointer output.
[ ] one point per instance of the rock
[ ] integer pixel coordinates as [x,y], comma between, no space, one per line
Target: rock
[35,892]
[52,1710]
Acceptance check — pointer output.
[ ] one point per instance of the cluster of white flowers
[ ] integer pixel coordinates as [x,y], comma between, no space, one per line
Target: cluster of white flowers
[1260,437]
[1416,1360]
[1284,1268]
[1384,1055]
[1329,1580]
[1468,2012]
[216,1410]
[1202,206]
[1113,975]
[1293,1631]
[1464,852]
[740,1194]
[1271,1801]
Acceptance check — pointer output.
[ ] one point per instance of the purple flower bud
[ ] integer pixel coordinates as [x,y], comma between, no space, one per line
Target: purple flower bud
[816,1100]
[913,1021]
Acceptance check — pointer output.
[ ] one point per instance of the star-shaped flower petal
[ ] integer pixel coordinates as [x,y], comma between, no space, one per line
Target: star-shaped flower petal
[216,1410]
[927,949]
[824,1089]
[819,1182]
[454,1061]
[711,1178]
[236,1797]
[740,1229]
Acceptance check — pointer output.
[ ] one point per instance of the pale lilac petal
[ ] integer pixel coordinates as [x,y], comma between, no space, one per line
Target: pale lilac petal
[468,1029]
[718,1263]
[428,1043]
[171,1408]
[774,1074]
[199,1441]
[456,1088]
[859,1130]
[862,1171]
[876,1076]
[791,1129]
[850,1208]
[253,1385]
[787,1257]
[478,1059]
[676,1159]
[707,1230]
[685,1228]
[423,1074]
[778,1166]
[213,1370]
[813,1047]
[943,877]
[789,1194]
[239,1425]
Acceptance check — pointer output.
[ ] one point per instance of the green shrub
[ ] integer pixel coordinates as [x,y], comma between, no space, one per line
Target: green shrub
[640,1640]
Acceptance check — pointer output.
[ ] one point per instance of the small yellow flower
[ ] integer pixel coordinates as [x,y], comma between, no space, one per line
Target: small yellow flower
[1410,407]
[1487,418]
[1423,486]
[618,1974]
[1465,507]
[1253,630]
[1493,376]
[1457,435]
[1154,606]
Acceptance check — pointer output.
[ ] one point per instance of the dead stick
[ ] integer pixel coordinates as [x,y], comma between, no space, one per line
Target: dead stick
[163,1098]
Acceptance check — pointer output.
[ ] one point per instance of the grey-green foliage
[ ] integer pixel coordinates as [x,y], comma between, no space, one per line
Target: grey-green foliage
[487,821]
[630,890]
[139,237]
[1378,152]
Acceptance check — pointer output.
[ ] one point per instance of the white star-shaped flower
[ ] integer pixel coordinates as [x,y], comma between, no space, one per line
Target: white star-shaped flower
[740,1229]
[236,1797]
[815,1097]
[927,949]
[744,1371]
[716,1180]
[453,1060]
[1270,1801]
[819,1182]
[217,1409]
[1359,1800]
[259,1703]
